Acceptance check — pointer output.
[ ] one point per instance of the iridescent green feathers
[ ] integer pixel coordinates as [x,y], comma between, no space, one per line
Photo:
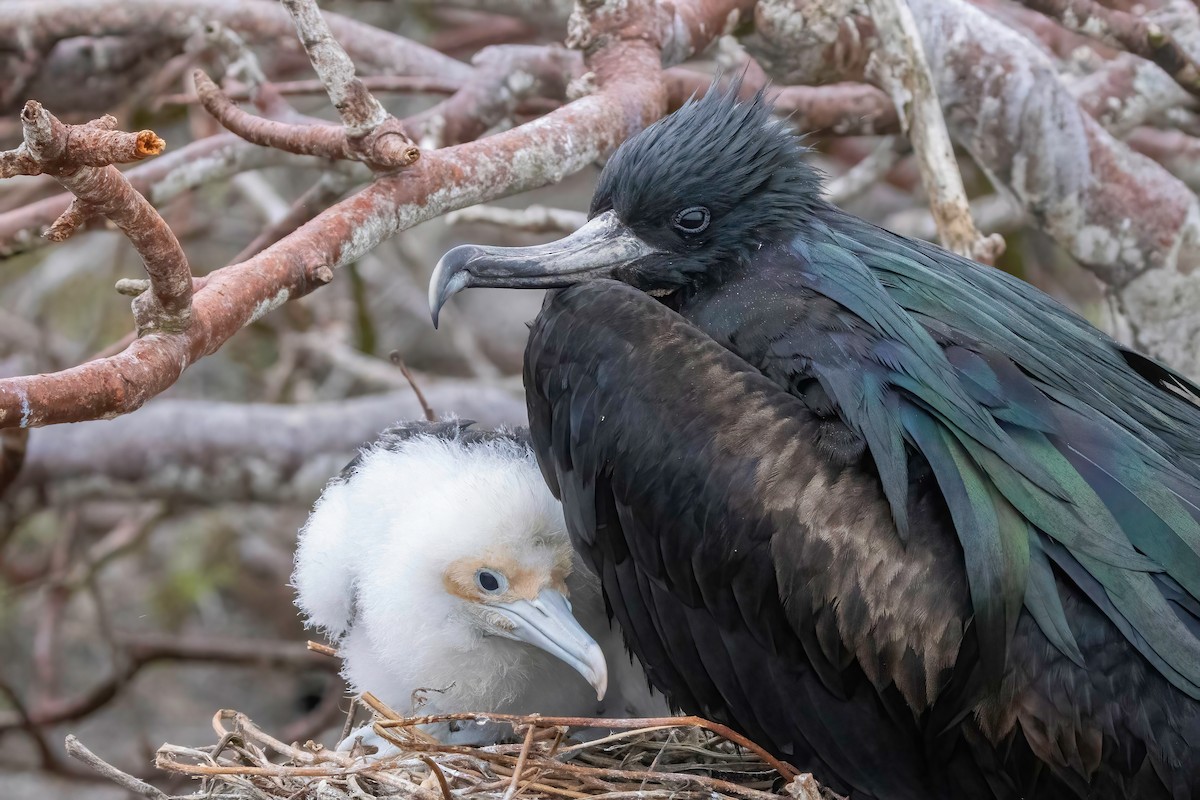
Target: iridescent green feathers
[1050,450]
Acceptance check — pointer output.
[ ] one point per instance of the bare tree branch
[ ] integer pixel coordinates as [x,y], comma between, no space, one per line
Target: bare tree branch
[34,26]
[1128,32]
[628,51]
[324,141]
[14,444]
[211,159]
[535,218]
[505,76]
[811,42]
[374,134]
[899,66]
[328,188]
[374,83]
[1127,92]
[993,212]
[80,157]
[1175,150]
[139,651]
[846,109]
[193,451]
[1023,127]
[865,173]
[76,750]
[361,113]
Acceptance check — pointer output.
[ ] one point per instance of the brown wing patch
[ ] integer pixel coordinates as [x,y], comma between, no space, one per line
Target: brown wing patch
[900,608]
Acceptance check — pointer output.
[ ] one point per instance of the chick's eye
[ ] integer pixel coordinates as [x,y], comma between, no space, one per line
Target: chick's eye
[490,581]
[692,220]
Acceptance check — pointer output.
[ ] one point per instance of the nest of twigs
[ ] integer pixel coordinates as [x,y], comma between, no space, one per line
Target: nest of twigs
[680,758]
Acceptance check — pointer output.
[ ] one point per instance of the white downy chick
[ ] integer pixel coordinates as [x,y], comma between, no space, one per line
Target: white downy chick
[439,563]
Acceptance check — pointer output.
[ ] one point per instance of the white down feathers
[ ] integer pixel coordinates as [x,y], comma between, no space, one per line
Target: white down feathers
[369,573]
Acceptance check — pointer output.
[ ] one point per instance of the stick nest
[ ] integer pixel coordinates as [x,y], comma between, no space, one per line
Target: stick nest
[668,758]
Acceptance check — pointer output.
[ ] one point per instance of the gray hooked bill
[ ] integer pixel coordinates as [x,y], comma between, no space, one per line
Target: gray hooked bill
[593,251]
[546,622]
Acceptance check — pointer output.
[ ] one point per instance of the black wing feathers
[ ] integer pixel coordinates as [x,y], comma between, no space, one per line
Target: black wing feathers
[691,498]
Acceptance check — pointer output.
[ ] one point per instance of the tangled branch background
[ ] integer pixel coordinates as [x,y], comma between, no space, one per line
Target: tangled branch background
[256,174]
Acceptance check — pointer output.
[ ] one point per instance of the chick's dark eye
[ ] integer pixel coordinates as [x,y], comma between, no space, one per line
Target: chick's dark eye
[490,581]
[692,220]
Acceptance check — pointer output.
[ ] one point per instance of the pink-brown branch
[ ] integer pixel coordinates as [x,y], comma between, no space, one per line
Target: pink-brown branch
[36,25]
[385,149]
[80,157]
[1127,31]
[207,160]
[1005,103]
[629,50]
[371,132]
[846,109]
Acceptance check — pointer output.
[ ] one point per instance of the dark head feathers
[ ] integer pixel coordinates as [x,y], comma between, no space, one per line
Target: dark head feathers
[716,150]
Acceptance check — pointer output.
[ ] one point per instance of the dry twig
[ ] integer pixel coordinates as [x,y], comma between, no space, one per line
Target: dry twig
[426,409]
[655,759]
[899,65]
[76,750]
[723,731]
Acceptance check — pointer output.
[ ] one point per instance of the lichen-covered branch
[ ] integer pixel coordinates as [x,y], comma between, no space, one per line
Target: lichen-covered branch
[845,109]
[811,42]
[1004,103]
[33,27]
[1127,31]
[208,160]
[1079,184]
[371,132]
[630,49]
[505,76]
[80,157]
[1127,92]
[385,148]
[361,113]
[898,65]
[1175,150]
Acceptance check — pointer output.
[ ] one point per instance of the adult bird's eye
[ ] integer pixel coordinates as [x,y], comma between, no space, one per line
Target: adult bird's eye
[491,581]
[692,220]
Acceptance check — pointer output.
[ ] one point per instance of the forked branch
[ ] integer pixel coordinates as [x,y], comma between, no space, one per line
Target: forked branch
[368,134]
[81,158]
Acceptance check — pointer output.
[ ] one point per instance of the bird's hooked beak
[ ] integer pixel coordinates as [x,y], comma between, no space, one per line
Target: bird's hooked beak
[546,622]
[593,251]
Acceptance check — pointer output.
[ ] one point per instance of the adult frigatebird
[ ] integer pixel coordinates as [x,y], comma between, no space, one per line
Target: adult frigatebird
[900,517]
